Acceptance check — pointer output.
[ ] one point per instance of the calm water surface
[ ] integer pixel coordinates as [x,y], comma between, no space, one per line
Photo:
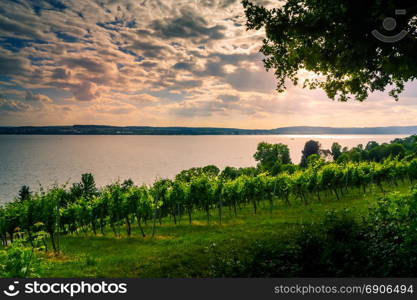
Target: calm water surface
[35,159]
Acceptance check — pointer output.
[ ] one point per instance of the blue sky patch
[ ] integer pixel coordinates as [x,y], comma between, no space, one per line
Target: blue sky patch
[66,37]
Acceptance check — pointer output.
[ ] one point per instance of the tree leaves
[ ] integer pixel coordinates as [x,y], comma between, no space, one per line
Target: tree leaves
[333,40]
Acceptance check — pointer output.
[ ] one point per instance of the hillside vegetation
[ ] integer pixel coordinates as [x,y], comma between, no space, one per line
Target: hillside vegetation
[277,219]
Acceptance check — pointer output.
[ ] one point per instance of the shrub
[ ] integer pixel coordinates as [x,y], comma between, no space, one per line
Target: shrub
[392,236]
[384,244]
[19,261]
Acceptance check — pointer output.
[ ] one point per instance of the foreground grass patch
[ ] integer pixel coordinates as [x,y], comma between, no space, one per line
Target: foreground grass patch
[182,250]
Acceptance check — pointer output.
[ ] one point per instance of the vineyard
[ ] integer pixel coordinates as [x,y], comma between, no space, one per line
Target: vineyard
[123,205]
[239,208]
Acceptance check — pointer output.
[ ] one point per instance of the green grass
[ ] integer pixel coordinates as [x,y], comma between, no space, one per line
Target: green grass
[181,250]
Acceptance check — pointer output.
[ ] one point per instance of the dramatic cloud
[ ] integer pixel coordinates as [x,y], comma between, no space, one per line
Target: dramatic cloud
[43,99]
[188,25]
[12,106]
[171,62]
[229,98]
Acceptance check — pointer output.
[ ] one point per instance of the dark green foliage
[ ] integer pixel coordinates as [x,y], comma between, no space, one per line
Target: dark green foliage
[187,175]
[332,248]
[336,151]
[377,153]
[233,173]
[230,173]
[392,236]
[311,147]
[333,39]
[271,156]
[20,261]
[124,204]
[249,171]
[86,188]
[211,170]
[381,245]
[128,183]
[24,193]
[121,207]
[371,145]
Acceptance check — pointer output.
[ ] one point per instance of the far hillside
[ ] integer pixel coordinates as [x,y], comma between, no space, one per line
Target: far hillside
[148,130]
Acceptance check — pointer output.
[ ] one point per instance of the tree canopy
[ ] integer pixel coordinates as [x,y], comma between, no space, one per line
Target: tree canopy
[336,150]
[24,193]
[310,148]
[270,155]
[336,40]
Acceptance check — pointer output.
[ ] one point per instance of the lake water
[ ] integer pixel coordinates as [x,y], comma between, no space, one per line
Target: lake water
[35,159]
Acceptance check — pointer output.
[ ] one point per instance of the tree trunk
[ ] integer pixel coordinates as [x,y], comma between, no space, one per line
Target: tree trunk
[381,188]
[140,226]
[174,215]
[179,213]
[113,228]
[220,210]
[208,214]
[44,243]
[189,215]
[337,195]
[102,226]
[93,226]
[129,229]
[154,222]
[287,198]
[53,240]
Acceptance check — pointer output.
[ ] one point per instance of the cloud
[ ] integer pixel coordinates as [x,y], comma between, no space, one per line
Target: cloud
[113,107]
[61,73]
[226,3]
[229,98]
[188,25]
[12,27]
[85,91]
[13,106]
[200,108]
[39,98]
[13,65]
[148,64]
[86,63]
[147,48]
[156,62]
[143,99]
[246,80]
[186,84]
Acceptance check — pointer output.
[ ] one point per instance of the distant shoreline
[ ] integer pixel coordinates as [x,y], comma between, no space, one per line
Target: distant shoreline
[147,130]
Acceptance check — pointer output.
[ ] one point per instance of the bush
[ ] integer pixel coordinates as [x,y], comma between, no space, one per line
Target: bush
[19,261]
[392,236]
[384,244]
[333,248]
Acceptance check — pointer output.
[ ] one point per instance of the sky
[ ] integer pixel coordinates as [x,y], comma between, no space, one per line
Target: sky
[158,63]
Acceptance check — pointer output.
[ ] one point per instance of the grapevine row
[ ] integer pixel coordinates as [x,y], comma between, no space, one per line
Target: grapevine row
[119,206]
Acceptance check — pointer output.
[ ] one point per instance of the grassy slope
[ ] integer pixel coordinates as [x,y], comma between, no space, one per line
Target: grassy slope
[179,251]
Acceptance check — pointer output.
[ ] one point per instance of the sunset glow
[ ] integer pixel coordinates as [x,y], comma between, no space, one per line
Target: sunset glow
[157,63]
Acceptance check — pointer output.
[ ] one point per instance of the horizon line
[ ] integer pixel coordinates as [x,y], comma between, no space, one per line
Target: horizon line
[208,127]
